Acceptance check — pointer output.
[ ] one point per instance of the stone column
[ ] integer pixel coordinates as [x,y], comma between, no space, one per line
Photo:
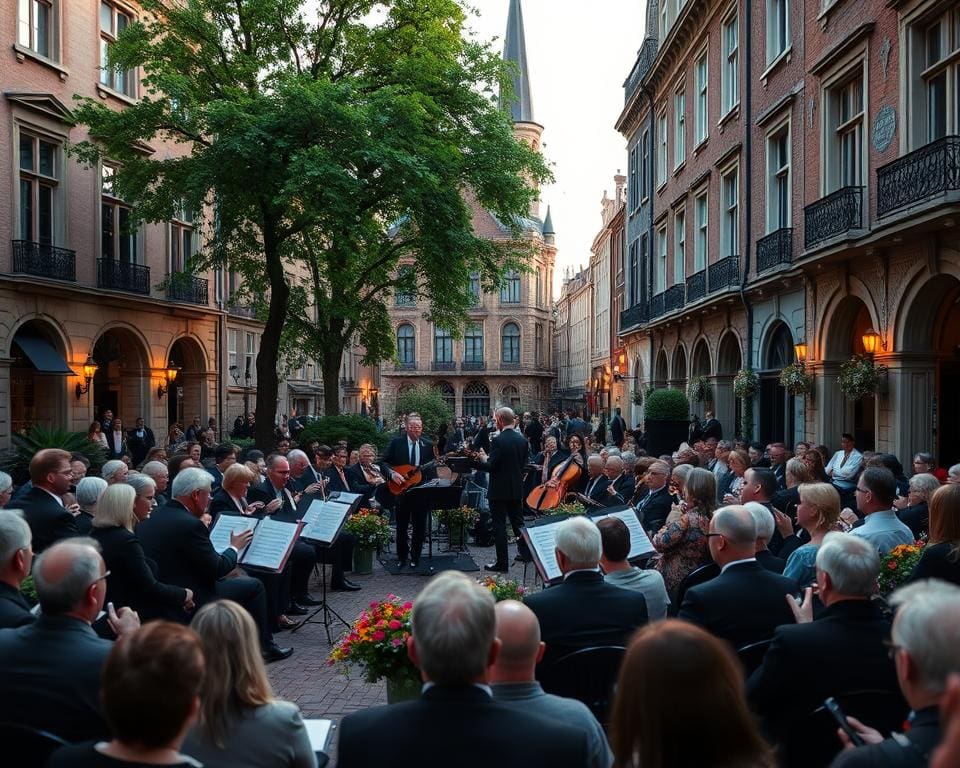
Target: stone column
[834,411]
[724,403]
[910,400]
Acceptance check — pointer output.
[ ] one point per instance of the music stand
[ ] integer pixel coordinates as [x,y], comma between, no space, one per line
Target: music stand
[437,494]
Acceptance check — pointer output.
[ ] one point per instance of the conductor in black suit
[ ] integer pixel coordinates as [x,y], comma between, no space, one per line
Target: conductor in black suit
[454,643]
[413,449]
[42,505]
[508,459]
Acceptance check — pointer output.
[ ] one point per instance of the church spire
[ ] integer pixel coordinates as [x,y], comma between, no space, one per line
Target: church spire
[515,51]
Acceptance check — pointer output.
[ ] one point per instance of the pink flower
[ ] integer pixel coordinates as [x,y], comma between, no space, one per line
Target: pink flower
[407,605]
[374,604]
[379,635]
[397,642]
[394,624]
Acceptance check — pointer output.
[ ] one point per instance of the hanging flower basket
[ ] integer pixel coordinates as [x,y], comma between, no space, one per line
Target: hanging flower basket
[795,379]
[637,397]
[698,390]
[746,383]
[860,376]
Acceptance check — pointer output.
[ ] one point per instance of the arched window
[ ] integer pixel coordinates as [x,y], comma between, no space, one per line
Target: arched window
[510,291]
[510,395]
[510,344]
[476,399]
[442,346]
[406,346]
[447,393]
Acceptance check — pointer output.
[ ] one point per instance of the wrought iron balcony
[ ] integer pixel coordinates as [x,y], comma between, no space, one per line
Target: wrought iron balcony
[723,274]
[636,315]
[656,306]
[931,170]
[408,365]
[775,249]
[697,286]
[123,276]
[473,365]
[242,310]
[44,260]
[189,288]
[673,297]
[833,215]
[444,365]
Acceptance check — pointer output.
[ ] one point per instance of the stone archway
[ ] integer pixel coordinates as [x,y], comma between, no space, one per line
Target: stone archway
[700,366]
[678,372]
[662,371]
[776,408]
[39,377]
[123,378]
[188,397]
[727,408]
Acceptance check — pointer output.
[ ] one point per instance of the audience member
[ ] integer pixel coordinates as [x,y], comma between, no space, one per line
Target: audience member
[654,507]
[926,463]
[941,556]
[158,472]
[765,528]
[88,493]
[953,475]
[621,485]
[224,456]
[114,471]
[947,755]
[42,505]
[817,514]
[913,510]
[876,489]
[682,542]
[615,541]
[739,463]
[844,465]
[6,489]
[16,556]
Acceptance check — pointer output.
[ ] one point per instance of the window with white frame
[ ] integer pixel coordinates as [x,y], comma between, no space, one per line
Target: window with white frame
[662,148]
[778,28]
[232,366]
[406,345]
[679,246]
[442,346]
[730,190]
[645,165]
[113,21]
[702,104]
[701,244]
[938,67]
[633,198]
[679,127]
[510,343]
[473,343]
[38,27]
[661,278]
[250,359]
[730,80]
[182,237]
[118,236]
[40,207]
[845,110]
[510,290]
[778,179]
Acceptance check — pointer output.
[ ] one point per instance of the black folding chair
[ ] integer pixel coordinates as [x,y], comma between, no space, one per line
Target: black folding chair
[699,576]
[751,655]
[588,675]
[28,747]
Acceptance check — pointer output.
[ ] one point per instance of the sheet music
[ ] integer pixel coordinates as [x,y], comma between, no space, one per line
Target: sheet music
[311,513]
[543,539]
[318,731]
[228,524]
[640,543]
[326,525]
[346,498]
[270,544]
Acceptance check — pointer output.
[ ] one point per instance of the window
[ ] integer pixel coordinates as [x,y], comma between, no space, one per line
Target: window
[680,246]
[39,189]
[679,127]
[473,343]
[113,22]
[539,287]
[778,179]
[538,344]
[118,238]
[447,393]
[730,82]
[645,165]
[250,359]
[442,346]
[730,188]
[940,76]
[845,119]
[37,27]
[662,148]
[405,289]
[778,28]
[406,345]
[661,284]
[475,287]
[640,286]
[510,291]
[633,276]
[182,238]
[700,245]
[510,396]
[232,338]
[664,20]
[702,109]
[633,198]
[476,399]
[510,343]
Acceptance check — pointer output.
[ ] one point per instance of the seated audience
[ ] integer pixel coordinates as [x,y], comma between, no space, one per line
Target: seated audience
[16,556]
[765,527]
[50,669]
[746,602]
[682,542]
[941,556]
[739,462]
[6,489]
[817,514]
[926,463]
[786,500]
[150,695]
[620,489]
[615,540]
[158,472]
[583,610]
[675,674]
[876,489]
[512,679]
[454,644]
[224,456]
[241,724]
[114,471]
[42,505]
[89,491]
[912,510]
[924,638]
[654,506]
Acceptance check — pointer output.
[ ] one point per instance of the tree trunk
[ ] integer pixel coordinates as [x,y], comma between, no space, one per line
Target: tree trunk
[331,380]
[268,356]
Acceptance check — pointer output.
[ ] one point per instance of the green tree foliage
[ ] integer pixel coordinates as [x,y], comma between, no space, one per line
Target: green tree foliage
[340,133]
[329,430]
[429,403]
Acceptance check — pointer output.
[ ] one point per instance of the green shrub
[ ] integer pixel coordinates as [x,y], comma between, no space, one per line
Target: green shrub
[242,443]
[429,403]
[667,405]
[356,430]
[17,461]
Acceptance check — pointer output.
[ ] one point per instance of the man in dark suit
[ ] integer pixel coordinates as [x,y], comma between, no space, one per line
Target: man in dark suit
[711,427]
[618,428]
[777,454]
[50,669]
[453,644]
[16,555]
[583,610]
[42,505]
[533,431]
[175,538]
[508,457]
[140,440]
[765,528]
[621,487]
[225,455]
[655,506]
[414,450]
[746,602]
[597,482]
[116,439]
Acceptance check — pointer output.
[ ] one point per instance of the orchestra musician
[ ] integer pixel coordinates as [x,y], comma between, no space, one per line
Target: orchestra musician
[367,478]
[410,448]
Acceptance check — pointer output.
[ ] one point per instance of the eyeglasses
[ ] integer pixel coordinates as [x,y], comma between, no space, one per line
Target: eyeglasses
[710,535]
[862,490]
[892,649]
[99,578]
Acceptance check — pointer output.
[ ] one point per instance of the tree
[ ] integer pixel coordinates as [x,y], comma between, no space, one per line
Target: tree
[342,143]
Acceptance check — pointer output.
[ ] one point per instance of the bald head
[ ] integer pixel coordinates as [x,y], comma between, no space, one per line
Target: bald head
[519,633]
[64,575]
[736,534]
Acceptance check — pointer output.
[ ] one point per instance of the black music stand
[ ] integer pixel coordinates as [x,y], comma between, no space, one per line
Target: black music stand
[437,494]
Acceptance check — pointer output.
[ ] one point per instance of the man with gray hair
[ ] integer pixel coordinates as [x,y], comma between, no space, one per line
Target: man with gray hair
[745,603]
[844,649]
[583,610]
[766,525]
[597,482]
[16,555]
[453,643]
[924,638]
[621,487]
[161,476]
[114,471]
[50,669]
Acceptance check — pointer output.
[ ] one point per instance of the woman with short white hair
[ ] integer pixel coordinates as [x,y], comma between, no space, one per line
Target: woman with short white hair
[6,489]
[89,491]
[913,510]
[115,471]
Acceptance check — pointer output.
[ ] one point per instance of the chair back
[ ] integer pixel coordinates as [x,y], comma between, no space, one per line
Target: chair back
[30,747]
[588,675]
[699,576]
[751,656]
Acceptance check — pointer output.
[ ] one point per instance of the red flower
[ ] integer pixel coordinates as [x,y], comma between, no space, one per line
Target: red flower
[394,624]
[892,565]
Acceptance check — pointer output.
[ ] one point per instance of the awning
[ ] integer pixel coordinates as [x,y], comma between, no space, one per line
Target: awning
[42,354]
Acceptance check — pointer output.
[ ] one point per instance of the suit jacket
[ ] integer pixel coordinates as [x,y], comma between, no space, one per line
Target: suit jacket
[624,485]
[780,472]
[116,451]
[787,500]
[51,677]
[584,610]
[266,493]
[711,428]
[655,507]
[724,483]
[334,483]
[49,521]
[133,577]
[359,484]
[139,446]
[217,476]
[743,605]
[180,545]
[453,716]
[597,489]
[221,503]
[14,609]
[618,428]
[398,454]
[917,518]
[534,434]
[508,458]
[770,561]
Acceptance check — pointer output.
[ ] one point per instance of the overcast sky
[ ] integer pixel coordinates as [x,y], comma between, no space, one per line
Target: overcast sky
[579,55]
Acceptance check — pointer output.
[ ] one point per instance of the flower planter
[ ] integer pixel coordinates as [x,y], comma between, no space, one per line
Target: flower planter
[363,560]
[664,436]
[402,689]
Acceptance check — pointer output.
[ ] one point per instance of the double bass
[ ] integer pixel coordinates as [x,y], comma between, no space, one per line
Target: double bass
[551,494]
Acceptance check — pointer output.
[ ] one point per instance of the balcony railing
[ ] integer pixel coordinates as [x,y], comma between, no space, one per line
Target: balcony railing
[673,297]
[123,276]
[242,310]
[636,315]
[656,305]
[833,215]
[44,260]
[189,288]
[775,249]
[473,365]
[408,365]
[723,274]
[697,286]
[931,170]
[444,365]
[507,365]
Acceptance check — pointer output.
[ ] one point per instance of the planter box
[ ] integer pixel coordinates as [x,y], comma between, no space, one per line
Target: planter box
[665,436]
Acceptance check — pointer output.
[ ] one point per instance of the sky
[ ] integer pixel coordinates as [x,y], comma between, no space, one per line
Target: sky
[578,62]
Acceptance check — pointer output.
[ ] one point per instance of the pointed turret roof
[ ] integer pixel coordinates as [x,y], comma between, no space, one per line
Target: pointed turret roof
[515,50]
[548,223]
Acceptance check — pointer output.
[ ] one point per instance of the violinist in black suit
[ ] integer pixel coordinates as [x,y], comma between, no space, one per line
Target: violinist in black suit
[410,448]
[42,505]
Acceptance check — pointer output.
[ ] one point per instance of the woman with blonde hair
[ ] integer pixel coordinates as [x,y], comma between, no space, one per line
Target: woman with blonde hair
[941,556]
[817,513]
[738,462]
[682,542]
[241,724]
[131,575]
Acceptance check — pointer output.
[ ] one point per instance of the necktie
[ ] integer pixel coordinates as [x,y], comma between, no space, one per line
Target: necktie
[413,454]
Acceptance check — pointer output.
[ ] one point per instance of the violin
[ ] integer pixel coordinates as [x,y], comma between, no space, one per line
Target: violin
[550,495]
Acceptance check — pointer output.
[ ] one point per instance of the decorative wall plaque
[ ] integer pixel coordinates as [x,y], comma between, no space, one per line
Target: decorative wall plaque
[884,128]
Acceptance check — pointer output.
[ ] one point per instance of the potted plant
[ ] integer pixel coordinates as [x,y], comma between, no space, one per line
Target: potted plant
[897,566]
[860,376]
[372,532]
[503,589]
[666,420]
[458,519]
[795,379]
[573,508]
[698,390]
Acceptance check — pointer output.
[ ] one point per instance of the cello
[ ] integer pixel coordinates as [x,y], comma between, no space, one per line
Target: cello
[551,494]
